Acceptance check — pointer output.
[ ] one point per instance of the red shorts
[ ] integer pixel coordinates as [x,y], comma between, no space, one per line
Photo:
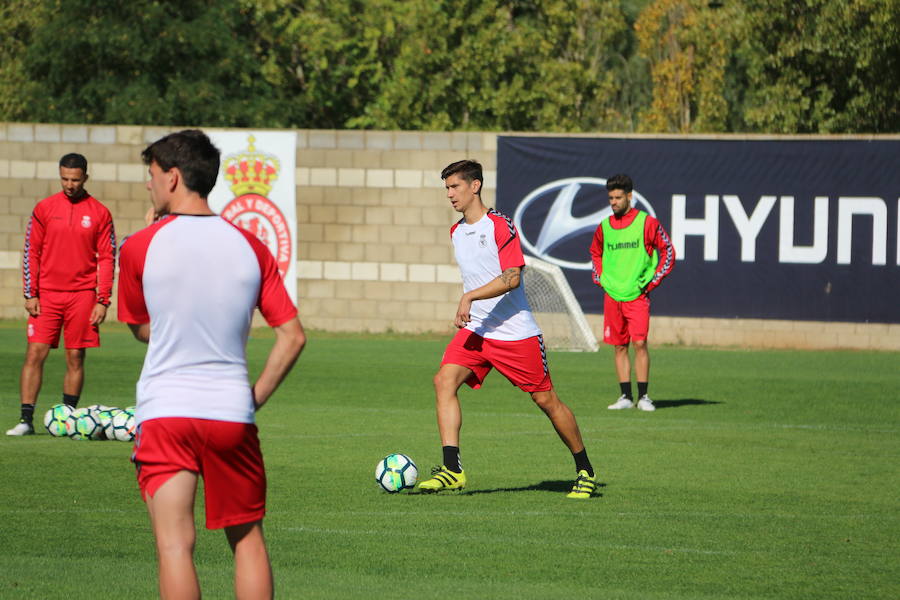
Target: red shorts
[69,312]
[625,321]
[523,362]
[225,454]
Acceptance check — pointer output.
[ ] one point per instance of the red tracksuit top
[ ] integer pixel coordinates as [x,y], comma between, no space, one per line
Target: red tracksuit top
[655,238]
[69,246]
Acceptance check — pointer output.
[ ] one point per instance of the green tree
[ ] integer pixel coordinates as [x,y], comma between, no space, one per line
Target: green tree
[18,21]
[326,59]
[505,65]
[820,66]
[146,61]
[687,44]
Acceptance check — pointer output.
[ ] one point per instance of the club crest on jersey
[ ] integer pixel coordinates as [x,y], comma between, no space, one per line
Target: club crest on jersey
[251,175]
[86,221]
[482,240]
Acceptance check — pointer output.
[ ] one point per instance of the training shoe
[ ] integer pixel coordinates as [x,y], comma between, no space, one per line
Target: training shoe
[621,403]
[584,486]
[443,478]
[21,428]
[645,403]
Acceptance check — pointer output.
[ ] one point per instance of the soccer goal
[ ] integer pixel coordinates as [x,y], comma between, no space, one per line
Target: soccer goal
[555,308]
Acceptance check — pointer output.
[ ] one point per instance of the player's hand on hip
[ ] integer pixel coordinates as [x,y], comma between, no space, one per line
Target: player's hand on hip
[33,306]
[98,315]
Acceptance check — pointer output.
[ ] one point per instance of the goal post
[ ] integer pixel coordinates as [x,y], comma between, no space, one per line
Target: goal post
[555,308]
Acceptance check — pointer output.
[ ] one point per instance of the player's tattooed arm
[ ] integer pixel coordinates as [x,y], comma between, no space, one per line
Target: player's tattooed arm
[511,277]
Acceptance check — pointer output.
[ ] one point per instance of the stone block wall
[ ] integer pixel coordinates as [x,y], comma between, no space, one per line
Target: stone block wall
[373,219]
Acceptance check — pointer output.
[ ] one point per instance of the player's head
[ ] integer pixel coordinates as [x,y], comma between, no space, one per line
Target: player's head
[463,181]
[73,174]
[618,188]
[468,171]
[192,153]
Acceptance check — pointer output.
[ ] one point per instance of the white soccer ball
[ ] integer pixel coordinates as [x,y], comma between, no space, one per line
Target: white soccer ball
[83,424]
[396,472]
[122,426]
[105,417]
[55,419]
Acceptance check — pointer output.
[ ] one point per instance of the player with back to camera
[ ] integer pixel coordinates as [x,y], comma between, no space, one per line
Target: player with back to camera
[67,272]
[496,330]
[631,254]
[188,286]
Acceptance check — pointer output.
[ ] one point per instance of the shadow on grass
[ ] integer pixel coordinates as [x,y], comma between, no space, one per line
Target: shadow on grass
[544,486]
[682,402]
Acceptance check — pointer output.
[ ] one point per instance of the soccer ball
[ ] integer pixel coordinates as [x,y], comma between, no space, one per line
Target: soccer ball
[83,424]
[105,417]
[55,419]
[122,426]
[396,472]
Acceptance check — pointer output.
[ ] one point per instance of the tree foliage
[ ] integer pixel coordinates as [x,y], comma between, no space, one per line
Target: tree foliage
[780,66]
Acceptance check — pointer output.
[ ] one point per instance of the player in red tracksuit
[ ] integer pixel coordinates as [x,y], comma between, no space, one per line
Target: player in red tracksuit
[67,273]
[631,254]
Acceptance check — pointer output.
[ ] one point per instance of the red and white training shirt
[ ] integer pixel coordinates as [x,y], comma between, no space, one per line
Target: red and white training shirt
[69,247]
[196,280]
[483,251]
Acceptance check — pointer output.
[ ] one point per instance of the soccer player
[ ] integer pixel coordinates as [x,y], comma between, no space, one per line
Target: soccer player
[496,330]
[188,286]
[631,254]
[67,272]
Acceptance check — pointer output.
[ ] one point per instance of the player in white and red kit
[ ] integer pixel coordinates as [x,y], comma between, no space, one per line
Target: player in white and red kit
[67,276]
[188,286]
[496,331]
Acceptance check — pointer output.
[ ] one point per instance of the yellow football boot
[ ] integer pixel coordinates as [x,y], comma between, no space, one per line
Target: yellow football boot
[442,479]
[585,485]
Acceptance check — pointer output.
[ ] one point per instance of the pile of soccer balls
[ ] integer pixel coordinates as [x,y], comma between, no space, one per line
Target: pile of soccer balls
[95,422]
[396,472]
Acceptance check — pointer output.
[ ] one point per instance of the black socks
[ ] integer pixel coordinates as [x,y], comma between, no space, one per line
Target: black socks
[625,386]
[451,458]
[642,388]
[582,463]
[70,400]
[28,413]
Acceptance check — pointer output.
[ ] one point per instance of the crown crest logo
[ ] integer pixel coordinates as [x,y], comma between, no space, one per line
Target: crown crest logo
[251,172]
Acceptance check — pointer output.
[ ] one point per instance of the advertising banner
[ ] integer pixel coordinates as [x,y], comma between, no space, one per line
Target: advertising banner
[256,191]
[780,229]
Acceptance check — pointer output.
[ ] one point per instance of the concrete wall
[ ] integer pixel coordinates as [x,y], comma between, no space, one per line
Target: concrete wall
[373,245]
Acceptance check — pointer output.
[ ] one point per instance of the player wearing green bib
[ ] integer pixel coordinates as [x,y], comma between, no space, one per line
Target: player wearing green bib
[631,254]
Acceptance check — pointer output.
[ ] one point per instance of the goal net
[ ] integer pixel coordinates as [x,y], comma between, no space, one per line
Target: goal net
[555,308]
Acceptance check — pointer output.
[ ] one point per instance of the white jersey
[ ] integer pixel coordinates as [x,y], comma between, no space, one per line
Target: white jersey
[197,280]
[483,251]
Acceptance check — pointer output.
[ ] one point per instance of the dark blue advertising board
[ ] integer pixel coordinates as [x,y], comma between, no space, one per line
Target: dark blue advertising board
[777,229]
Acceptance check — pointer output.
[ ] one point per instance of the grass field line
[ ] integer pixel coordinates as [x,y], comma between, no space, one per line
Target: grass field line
[517,540]
[642,423]
[625,515]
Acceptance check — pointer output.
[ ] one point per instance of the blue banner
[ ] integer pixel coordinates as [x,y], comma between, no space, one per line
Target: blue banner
[779,229]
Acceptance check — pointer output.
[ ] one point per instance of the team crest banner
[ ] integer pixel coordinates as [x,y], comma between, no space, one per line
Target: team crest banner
[256,191]
[777,229]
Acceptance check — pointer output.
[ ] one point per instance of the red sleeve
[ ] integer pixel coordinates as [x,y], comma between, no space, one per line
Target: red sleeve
[509,248]
[106,258]
[132,308]
[656,238]
[31,257]
[597,254]
[274,301]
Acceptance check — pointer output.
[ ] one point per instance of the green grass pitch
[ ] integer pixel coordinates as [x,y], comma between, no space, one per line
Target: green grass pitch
[764,474]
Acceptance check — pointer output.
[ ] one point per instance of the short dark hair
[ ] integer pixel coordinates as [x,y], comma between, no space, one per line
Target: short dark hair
[468,170]
[73,161]
[620,182]
[192,152]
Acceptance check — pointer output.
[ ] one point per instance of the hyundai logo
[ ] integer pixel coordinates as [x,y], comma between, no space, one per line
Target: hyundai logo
[559,224]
